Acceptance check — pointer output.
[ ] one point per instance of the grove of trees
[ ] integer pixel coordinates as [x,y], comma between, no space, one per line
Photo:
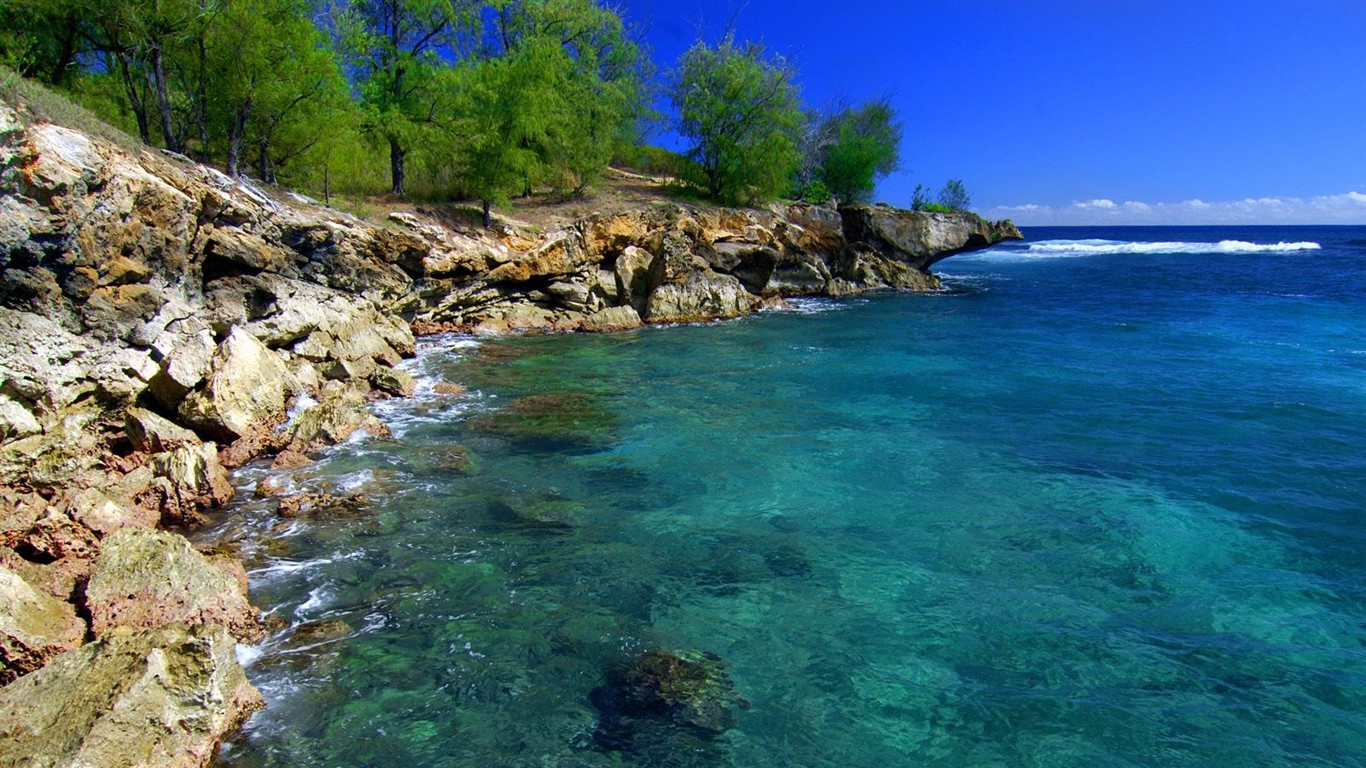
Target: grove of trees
[484,99]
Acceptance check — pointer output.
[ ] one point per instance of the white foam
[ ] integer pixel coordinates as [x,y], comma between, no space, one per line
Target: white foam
[318,597]
[248,654]
[814,306]
[1062,248]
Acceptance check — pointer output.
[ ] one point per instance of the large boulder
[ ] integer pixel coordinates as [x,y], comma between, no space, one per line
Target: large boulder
[148,579]
[132,699]
[334,418]
[701,295]
[34,627]
[918,238]
[186,480]
[247,387]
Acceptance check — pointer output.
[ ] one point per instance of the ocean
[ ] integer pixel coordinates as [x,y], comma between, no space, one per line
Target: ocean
[1100,502]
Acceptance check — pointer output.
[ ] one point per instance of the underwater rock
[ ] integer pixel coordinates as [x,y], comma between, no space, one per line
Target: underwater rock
[555,417]
[324,505]
[662,700]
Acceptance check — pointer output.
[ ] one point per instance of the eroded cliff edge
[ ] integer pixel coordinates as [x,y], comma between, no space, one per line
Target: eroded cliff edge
[157,322]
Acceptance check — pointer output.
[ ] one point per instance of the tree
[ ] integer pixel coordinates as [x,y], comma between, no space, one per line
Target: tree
[395,46]
[493,158]
[954,196]
[741,111]
[588,75]
[271,77]
[865,147]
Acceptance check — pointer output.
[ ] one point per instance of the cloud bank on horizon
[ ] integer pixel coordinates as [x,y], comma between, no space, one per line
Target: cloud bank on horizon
[1345,208]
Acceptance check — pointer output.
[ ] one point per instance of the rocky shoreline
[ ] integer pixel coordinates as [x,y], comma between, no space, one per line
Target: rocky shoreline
[163,324]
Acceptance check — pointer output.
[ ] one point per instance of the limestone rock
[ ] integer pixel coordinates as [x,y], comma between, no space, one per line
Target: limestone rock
[702,295]
[153,433]
[331,420]
[16,421]
[33,627]
[189,479]
[920,239]
[132,699]
[612,319]
[103,514]
[248,386]
[393,381]
[184,365]
[637,275]
[148,579]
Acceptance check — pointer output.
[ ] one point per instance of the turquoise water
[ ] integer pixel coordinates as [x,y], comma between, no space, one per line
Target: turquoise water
[1100,503]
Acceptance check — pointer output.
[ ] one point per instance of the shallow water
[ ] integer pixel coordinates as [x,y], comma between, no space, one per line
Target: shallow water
[1091,506]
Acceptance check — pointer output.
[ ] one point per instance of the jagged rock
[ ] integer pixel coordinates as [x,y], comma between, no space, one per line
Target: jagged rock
[187,480]
[637,275]
[612,319]
[393,381]
[148,579]
[560,253]
[702,295]
[16,421]
[291,458]
[184,365]
[53,537]
[153,433]
[34,627]
[103,514]
[247,387]
[448,388]
[131,699]
[920,239]
[331,420]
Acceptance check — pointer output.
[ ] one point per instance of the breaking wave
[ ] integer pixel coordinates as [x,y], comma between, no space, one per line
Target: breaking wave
[1101,247]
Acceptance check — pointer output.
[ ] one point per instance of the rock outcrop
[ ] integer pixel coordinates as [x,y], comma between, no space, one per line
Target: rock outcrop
[674,263]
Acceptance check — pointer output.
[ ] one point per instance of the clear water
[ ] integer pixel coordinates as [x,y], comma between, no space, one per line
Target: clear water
[1092,506]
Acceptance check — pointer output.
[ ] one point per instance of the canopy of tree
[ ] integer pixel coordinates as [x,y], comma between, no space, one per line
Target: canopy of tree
[741,111]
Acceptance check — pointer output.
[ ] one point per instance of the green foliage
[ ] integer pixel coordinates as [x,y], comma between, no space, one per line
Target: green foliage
[954,196]
[46,104]
[920,198]
[865,147]
[651,161]
[394,45]
[812,192]
[741,112]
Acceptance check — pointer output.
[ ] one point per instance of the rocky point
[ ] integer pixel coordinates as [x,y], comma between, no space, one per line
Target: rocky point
[162,323]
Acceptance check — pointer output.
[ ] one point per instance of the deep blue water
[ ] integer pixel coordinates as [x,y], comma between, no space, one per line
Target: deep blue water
[1099,503]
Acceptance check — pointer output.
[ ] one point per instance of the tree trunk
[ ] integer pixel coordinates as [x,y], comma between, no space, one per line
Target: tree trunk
[202,108]
[263,162]
[236,133]
[488,219]
[163,99]
[327,181]
[396,153]
[130,87]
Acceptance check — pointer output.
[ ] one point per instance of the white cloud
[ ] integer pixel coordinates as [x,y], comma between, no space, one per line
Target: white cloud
[1100,204]
[1345,208]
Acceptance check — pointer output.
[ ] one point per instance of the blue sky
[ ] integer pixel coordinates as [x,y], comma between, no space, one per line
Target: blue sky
[1085,112]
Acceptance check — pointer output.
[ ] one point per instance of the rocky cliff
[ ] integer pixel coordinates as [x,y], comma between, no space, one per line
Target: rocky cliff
[157,322]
